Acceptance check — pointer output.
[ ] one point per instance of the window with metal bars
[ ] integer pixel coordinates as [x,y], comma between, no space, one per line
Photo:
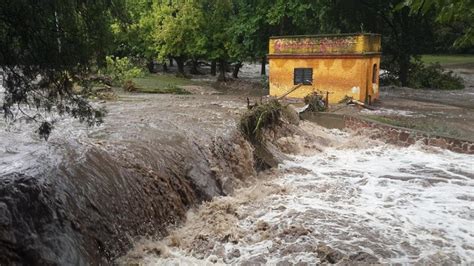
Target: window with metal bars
[303,76]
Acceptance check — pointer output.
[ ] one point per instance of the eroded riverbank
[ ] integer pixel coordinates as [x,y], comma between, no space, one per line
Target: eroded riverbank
[86,194]
[356,200]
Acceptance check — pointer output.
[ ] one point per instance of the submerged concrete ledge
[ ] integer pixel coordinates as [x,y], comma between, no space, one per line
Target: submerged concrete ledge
[391,134]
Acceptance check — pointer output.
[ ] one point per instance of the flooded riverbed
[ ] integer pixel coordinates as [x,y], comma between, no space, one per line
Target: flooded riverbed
[357,200]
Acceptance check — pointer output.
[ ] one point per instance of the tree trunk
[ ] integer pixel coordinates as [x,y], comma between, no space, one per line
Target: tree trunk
[263,71]
[213,67]
[151,66]
[404,68]
[194,68]
[171,61]
[222,68]
[165,67]
[235,72]
[180,63]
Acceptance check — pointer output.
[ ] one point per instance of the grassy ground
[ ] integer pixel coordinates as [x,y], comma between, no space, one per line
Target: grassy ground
[162,83]
[449,60]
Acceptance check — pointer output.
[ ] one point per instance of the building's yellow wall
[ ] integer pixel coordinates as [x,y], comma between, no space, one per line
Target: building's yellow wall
[374,87]
[340,76]
[342,65]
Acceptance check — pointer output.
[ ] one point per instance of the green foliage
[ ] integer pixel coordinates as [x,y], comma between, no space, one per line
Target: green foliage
[178,29]
[133,30]
[433,76]
[57,41]
[122,70]
[238,30]
[291,17]
[448,12]
[261,116]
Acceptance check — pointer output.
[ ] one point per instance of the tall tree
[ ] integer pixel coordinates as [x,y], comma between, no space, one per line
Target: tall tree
[404,34]
[178,30]
[218,14]
[133,31]
[249,31]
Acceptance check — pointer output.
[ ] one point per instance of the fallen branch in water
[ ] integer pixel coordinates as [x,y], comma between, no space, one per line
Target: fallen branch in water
[360,104]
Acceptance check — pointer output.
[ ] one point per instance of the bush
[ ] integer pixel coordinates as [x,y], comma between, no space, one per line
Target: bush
[315,102]
[433,76]
[122,70]
[388,78]
[261,116]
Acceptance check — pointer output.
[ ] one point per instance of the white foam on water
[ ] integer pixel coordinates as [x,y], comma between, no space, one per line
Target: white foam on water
[401,205]
[392,112]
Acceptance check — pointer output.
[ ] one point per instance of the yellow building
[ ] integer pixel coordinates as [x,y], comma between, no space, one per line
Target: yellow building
[343,65]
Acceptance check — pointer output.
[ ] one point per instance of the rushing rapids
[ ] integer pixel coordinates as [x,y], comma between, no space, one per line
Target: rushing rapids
[90,195]
[355,200]
[86,194]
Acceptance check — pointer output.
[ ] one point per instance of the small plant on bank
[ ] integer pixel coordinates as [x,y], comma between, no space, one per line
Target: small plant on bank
[433,76]
[261,116]
[315,102]
[122,70]
[167,89]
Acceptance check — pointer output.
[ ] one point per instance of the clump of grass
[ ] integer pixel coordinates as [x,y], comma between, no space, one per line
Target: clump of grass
[346,99]
[315,102]
[98,93]
[168,89]
[129,86]
[261,116]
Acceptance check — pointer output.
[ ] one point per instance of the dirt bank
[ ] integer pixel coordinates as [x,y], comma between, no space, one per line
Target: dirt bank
[87,194]
[339,198]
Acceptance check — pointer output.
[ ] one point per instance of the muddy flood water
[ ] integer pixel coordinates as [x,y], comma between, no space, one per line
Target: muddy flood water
[356,200]
[168,180]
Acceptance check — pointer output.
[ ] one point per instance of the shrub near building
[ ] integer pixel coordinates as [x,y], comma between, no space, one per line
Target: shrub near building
[433,76]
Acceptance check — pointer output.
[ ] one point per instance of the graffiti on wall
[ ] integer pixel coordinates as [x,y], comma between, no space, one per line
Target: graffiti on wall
[314,45]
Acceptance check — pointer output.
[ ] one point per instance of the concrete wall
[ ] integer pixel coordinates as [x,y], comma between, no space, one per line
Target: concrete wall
[406,137]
